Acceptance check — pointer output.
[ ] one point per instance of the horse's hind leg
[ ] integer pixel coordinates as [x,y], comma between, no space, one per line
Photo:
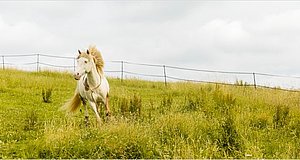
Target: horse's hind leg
[107,106]
[86,113]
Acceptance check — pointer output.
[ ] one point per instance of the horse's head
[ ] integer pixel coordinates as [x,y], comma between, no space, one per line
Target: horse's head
[84,64]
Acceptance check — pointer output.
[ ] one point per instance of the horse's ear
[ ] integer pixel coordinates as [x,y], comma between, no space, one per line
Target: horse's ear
[79,51]
[87,51]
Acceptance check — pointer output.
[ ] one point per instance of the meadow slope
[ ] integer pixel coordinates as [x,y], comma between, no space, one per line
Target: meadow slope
[149,120]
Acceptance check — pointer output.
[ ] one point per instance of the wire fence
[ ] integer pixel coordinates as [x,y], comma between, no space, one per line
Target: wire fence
[165,73]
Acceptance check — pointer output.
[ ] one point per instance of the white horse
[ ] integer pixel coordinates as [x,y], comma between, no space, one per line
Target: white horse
[92,86]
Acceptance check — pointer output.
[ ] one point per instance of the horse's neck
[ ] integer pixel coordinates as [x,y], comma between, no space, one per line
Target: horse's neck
[93,78]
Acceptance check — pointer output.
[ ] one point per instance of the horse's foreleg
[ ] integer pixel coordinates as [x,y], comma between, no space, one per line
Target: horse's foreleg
[94,107]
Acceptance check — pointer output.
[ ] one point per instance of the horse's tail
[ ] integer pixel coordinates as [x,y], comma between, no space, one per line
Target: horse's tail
[73,104]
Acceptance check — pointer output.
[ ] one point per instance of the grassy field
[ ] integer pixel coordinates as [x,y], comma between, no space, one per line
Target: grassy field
[149,120]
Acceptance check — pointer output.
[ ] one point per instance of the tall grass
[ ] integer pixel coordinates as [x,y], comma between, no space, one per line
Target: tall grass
[149,120]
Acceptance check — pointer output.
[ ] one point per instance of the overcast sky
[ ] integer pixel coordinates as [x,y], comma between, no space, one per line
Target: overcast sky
[255,36]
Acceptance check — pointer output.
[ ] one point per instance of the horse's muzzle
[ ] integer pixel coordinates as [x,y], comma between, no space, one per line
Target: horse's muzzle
[76,76]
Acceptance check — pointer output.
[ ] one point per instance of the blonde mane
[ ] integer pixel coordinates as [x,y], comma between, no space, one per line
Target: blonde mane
[95,54]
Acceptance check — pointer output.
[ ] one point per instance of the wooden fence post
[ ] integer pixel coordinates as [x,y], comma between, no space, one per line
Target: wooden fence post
[165,75]
[122,71]
[74,63]
[3,62]
[254,80]
[37,62]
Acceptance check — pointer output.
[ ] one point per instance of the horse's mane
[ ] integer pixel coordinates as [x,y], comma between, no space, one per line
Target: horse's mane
[97,57]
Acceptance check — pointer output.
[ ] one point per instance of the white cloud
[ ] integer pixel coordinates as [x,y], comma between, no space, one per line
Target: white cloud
[211,35]
[25,37]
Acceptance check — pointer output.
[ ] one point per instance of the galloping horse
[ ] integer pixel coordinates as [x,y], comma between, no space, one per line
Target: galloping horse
[92,85]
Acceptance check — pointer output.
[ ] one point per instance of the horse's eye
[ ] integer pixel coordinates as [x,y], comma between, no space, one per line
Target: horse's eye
[85,61]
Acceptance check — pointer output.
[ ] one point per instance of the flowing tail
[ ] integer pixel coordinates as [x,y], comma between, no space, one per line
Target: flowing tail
[73,104]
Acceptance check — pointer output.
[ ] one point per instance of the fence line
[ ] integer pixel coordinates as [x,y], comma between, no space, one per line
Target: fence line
[62,57]
[38,62]
[208,71]
[57,66]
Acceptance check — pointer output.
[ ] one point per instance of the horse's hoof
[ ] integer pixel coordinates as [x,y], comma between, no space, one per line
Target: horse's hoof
[108,114]
[108,117]
[86,121]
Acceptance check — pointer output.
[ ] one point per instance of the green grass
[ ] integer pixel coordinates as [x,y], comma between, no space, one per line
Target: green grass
[149,120]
